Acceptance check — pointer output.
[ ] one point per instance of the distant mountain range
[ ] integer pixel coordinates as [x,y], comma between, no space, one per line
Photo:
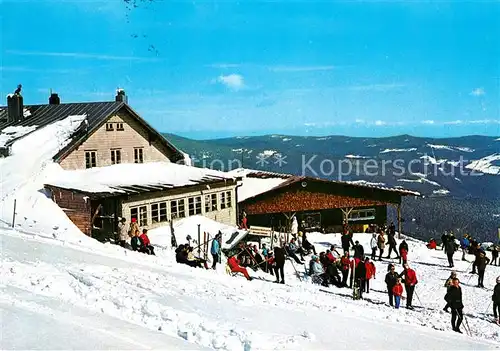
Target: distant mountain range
[450,173]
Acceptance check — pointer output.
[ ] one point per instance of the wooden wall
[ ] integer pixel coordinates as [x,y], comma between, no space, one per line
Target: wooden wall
[303,200]
[103,141]
[76,206]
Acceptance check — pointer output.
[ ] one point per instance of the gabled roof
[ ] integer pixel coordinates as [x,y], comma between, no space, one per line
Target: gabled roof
[97,114]
[256,183]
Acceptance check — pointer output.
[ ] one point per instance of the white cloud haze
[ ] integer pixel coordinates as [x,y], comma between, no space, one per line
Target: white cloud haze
[232,81]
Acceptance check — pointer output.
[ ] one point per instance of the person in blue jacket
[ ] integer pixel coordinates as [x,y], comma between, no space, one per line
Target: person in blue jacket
[215,249]
[464,244]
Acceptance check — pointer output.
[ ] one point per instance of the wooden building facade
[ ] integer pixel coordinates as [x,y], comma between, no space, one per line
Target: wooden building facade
[322,205]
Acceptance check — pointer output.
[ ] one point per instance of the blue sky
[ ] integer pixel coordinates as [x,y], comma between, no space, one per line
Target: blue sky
[223,68]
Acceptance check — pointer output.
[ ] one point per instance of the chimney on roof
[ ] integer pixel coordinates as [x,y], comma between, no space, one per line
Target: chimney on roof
[54,99]
[121,96]
[15,106]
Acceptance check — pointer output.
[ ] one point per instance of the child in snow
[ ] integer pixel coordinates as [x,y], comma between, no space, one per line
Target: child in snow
[397,291]
[432,245]
[148,248]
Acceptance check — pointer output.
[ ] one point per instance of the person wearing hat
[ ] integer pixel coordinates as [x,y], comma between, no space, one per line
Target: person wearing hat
[481,263]
[454,299]
[134,227]
[447,285]
[123,233]
[496,301]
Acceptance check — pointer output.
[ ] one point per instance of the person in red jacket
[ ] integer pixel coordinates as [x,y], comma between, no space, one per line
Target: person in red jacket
[404,255]
[244,221]
[397,291]
[370,273]
[410,282]
[149,249]
[234,264]
[432,245]
[344,264]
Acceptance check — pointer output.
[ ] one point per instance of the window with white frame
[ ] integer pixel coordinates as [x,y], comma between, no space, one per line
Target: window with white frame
[159,212]
[194,205]
[211,202]
[116,156]
[177,209]
[365,214]
[141,214]
[225,199]
[90,159]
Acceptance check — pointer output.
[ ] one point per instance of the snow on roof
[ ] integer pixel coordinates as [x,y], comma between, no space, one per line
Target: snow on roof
[110,179]
[11,133]
[252,186]
[484,165]
[364,182]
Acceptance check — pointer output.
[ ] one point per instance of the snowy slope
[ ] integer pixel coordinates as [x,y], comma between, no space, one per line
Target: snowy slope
[186,308]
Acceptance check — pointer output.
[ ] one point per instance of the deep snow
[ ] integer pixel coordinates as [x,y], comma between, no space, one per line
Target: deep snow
[114,288]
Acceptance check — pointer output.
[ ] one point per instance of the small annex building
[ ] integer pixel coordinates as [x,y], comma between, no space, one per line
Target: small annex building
[116,165]
[272,199]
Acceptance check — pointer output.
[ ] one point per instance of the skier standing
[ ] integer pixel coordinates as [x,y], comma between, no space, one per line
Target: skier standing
[481,263]
[449,248]
[464,244]
[447,285]
[454,299]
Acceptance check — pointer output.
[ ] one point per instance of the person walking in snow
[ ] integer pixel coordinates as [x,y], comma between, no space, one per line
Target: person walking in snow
[374,245]
[449,249]
[403,251]
[410,282]
[392,244]
[215,249]
[447,285]
[391,279]
[454,299]
[359,275]
[464,245]
[381,244]
[494,255]
[481,263]
[279,264]
[397,291]
[496,301]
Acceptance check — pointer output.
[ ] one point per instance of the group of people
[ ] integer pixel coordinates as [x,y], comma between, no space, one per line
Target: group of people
[470,246]
[138,241]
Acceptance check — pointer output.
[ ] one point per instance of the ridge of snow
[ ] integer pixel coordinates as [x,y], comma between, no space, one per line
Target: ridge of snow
[355,156]
[441,192]
[484,165]
[364,182]
[451,148]
[23,174]
[14,132]
[268,153]
[385,151]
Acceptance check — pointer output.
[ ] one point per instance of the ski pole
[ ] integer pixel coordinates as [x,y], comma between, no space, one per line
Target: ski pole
[295,269]
[419,299]
[487,308]
[467,325]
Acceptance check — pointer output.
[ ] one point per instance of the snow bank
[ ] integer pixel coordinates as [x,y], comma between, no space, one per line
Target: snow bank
[484,165]
[189,226]
[364,182]
[441,192]
[23,175]
[451,148]
[110,178]
[11,133]
[355,156]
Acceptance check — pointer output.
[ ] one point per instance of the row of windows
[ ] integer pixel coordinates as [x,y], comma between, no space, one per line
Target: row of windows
[111,126]
[116,157]
[159,211]
[361,215]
